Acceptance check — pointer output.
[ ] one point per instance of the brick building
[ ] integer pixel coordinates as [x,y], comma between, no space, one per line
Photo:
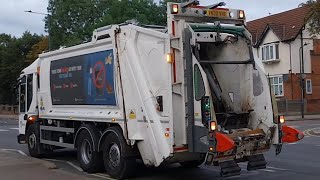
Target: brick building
[281,43]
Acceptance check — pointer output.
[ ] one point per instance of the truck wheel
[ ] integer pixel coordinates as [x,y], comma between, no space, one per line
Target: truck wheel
[191,164]
[90,159]
[33,141]
[116,163]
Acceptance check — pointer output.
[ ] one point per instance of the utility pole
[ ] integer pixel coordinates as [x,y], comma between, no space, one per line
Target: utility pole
[49,25]
[302,75]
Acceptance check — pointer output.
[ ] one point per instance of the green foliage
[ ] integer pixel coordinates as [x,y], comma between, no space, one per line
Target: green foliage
[13,53]
[38,48]
[72,22]
[314,16]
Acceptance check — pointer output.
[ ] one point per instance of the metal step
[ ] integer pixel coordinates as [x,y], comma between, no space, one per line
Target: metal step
[229,168]
[256,162]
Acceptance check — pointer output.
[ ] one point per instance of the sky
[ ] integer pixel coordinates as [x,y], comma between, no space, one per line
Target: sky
[14,21]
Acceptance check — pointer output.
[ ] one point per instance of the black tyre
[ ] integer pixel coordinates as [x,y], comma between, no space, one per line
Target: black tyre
[33,141]
[115,150]
[89,157]
[191,164]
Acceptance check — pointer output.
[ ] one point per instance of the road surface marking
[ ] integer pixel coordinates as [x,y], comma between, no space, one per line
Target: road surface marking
[74,166]
[15,129]
[103,176]
[68,162]
[292,143]
[270,167]
[267,170]
[3,130]
[15,150]
[233,177]
[314,132]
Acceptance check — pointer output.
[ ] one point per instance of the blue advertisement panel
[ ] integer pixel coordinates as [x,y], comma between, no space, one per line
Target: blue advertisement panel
[83,80]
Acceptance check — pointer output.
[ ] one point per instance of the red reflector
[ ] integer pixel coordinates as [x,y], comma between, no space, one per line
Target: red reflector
[224,143]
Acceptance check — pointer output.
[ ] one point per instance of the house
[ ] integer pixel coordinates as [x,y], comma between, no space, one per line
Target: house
[281,43]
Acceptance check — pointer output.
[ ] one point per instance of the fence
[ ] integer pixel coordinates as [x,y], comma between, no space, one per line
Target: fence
[9,109]
[291,107]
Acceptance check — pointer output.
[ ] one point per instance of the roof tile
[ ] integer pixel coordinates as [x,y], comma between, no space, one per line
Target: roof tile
[285,25]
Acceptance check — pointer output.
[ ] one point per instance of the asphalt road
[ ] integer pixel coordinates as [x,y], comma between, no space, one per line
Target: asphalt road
[297,161]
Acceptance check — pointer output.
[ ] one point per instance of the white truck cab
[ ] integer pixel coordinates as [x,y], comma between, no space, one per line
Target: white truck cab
[190,93]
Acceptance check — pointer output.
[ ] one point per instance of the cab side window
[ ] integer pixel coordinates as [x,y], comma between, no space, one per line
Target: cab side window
[22,95]
[29,90]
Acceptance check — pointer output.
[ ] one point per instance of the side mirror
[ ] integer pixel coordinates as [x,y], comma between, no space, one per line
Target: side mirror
[25,117]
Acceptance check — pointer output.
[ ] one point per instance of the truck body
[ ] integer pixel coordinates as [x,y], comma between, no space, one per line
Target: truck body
[187,93]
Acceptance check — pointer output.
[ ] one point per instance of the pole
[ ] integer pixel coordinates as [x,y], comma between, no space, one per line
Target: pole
[49,28]
[302,76]
[49,25]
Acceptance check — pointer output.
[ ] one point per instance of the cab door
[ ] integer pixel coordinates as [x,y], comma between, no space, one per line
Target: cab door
[26,87]
[22,104]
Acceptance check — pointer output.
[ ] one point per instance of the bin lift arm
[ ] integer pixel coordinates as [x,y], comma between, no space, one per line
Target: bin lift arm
[196,2]
[216,5]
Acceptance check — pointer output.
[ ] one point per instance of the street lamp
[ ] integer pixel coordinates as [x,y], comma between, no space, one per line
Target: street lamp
[49,23]
[302,77]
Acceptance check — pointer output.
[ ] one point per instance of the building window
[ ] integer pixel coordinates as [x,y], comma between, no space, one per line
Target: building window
[270,52]
[308,86]
[277,85]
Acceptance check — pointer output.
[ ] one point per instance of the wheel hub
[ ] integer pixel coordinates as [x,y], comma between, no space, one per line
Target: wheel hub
[114,155]
[86,151]
[32,141]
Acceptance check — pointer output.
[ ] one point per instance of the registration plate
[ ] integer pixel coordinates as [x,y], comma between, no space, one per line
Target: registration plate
[217,13]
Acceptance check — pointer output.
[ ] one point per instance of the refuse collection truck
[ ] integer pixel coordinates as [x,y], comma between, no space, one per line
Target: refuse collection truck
[188,93]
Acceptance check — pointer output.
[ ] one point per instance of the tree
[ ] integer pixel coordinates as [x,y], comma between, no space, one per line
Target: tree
[72,22]
[13,53]
[313,16]
[36,49]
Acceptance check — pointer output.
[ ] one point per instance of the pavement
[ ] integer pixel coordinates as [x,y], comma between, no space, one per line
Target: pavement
[306,117]
[14,166]
[299,160]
